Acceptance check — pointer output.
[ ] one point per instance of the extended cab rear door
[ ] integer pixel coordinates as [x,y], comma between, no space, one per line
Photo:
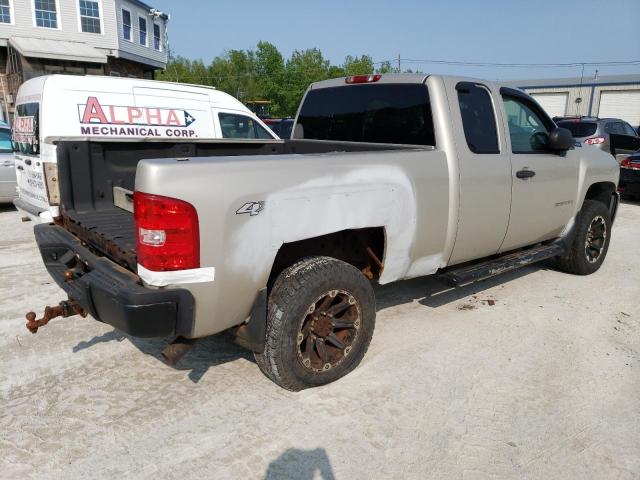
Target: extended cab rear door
[544,183]
[485,172]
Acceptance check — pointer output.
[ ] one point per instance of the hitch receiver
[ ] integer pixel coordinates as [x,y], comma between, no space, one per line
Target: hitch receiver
[64,309]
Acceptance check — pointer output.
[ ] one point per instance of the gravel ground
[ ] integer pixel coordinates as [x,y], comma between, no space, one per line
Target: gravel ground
[542,382]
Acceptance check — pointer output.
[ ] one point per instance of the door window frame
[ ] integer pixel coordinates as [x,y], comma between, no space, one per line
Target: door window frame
[521,97]
[466,85]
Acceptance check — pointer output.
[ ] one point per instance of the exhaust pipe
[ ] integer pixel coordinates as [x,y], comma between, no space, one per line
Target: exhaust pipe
[177,349]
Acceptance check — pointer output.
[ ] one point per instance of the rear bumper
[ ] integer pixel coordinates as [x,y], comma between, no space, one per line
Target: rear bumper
[110,293]
[629,181]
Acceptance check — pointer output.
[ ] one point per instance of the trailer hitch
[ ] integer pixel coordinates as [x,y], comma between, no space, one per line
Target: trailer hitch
[64,309]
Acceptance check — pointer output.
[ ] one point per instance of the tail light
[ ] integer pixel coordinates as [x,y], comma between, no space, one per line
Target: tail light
[631,163]
[594,141]
[363,78]
[168,235]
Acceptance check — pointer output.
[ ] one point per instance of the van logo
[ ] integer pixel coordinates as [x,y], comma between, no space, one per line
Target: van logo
[97,119]
[94,112]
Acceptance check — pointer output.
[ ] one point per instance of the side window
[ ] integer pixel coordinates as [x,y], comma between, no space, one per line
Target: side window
[628,130]
[527,128]
[478,118]
[241,126]
[614,127]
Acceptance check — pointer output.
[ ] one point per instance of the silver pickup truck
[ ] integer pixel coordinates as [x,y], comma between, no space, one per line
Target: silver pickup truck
[387,177]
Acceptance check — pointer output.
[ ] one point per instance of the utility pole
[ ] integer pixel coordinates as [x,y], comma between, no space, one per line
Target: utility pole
[399,67]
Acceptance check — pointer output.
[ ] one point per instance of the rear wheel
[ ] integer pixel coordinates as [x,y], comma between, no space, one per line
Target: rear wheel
[591,242]
[320,321]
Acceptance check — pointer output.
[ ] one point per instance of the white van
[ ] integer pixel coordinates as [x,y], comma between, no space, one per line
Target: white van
[95,107]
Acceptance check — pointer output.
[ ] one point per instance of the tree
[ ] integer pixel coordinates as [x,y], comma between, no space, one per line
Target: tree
[358,65]
[263,73]
[270,76]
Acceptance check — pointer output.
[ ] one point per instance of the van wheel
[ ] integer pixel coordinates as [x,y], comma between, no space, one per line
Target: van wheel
[591,242]
[320,321]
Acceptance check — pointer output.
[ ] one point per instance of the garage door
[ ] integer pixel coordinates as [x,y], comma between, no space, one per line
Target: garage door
[624,104]
[555,104]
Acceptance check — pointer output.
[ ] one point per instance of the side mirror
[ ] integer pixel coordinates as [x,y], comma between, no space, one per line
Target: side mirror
[560,139]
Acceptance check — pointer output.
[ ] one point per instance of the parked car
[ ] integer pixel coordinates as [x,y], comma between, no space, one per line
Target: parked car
[123,109]
[7,168]
[630,176]
[389,177]
[597,131]
[282,127]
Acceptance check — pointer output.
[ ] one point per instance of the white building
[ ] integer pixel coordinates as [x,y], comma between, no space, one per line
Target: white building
[616,96]
[100,37]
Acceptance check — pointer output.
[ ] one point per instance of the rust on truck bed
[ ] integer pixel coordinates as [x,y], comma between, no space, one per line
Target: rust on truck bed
[110,232]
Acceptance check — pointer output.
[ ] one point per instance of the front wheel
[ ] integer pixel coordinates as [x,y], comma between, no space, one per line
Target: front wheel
[591,241]
[320,321]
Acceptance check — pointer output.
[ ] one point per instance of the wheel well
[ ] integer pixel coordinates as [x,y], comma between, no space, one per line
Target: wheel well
[601,192]
[363,248]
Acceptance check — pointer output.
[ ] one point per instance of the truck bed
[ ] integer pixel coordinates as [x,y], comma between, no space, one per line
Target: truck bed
[89,170]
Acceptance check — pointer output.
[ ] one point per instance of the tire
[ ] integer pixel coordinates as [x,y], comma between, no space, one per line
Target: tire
[314,306]
[580,259]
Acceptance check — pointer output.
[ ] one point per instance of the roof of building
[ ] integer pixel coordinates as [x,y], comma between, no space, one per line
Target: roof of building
[575,81]
[57,49]
[147,7]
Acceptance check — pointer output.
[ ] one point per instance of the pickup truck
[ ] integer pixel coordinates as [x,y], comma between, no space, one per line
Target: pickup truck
[387,177]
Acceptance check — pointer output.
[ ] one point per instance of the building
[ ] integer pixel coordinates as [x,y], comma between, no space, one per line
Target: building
[82,37]
[615,96]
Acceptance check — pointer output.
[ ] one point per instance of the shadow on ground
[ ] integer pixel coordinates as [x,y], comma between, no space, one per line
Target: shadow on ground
[7,207]
[628,201]
[220,349]
[301,465]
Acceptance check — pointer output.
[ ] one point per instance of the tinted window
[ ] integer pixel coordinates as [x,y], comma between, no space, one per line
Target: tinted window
[579,129]
[5,140]
[285,128]
[614,127]
[369,113]
[628,130]
[241,126]
[478,118]
[527,128]
[26,127]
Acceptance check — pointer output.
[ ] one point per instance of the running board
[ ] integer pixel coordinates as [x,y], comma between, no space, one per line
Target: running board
[505,263]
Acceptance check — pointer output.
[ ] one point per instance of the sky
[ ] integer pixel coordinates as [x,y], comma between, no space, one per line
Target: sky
[498,31]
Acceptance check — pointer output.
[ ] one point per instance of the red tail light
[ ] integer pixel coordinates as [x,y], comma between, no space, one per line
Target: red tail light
[168,235]
[632,163]
[363,78]
[594,140]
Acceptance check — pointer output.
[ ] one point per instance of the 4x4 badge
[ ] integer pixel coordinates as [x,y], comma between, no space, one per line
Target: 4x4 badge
[252,208]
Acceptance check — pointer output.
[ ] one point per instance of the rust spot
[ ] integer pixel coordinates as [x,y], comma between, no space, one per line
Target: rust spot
[63,309]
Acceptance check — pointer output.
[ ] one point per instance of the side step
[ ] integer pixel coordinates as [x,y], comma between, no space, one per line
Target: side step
[506,263]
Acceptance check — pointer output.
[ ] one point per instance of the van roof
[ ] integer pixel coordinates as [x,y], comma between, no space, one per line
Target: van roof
[129,79]
[34,88]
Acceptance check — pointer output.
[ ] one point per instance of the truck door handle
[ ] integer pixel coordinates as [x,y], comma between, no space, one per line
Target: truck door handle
[525,174]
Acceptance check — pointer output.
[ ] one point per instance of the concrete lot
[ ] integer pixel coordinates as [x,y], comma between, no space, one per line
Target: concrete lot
[543,384]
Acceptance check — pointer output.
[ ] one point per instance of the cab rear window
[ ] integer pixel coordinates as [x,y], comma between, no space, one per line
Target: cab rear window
[25,129]
[579,129]
[387,113]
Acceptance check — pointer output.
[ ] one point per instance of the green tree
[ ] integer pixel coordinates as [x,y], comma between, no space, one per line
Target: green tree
[303,68]
[358,65]
[269,70]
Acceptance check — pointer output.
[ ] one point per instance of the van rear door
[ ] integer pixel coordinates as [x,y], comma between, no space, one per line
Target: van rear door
[29,169]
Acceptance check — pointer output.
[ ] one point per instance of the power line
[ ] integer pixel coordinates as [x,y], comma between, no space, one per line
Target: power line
[513,65]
